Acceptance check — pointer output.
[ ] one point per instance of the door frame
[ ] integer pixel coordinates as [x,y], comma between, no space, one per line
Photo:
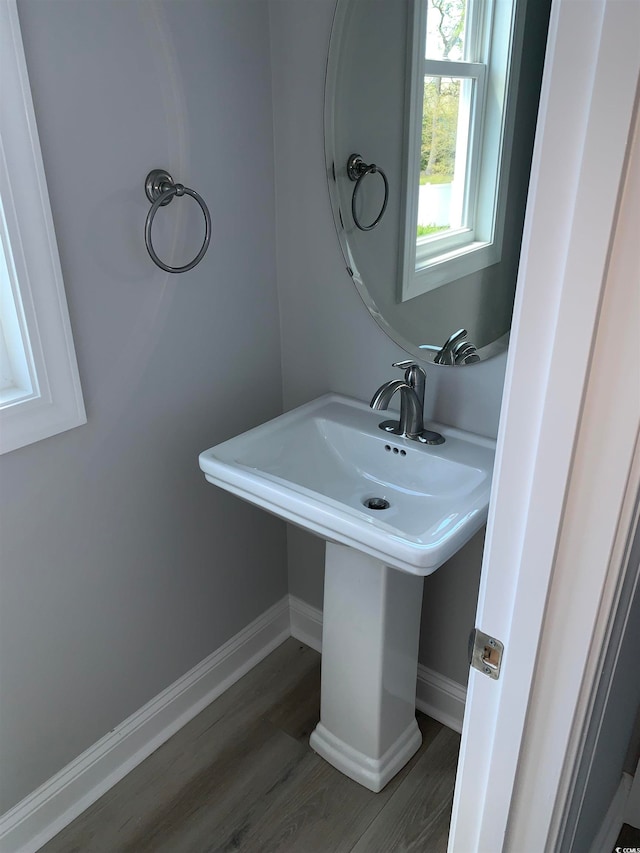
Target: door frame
[556,520]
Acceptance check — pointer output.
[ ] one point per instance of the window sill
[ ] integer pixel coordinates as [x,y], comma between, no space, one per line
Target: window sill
[27,421]
[449,267]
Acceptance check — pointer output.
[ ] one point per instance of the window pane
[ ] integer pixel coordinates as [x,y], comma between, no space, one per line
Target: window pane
[446,29]
[16,361]
[443,155]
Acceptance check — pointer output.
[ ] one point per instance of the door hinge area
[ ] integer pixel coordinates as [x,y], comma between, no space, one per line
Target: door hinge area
[485,653]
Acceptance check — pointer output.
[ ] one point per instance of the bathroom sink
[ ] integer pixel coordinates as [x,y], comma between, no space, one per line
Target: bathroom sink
[383,502]
[328,467]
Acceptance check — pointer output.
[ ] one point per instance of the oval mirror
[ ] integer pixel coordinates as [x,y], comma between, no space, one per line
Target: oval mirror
[430,115]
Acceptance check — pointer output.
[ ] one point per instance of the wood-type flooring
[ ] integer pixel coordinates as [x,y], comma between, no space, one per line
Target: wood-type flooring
[242,777]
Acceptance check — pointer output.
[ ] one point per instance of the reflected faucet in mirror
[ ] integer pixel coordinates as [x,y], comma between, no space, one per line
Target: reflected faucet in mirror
[411,390]
[456,350]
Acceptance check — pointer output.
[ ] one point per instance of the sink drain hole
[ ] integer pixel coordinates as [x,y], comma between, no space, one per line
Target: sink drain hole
[376,503]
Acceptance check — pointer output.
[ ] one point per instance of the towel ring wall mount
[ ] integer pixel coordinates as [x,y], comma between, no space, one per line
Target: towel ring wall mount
[357,170]
[160,189]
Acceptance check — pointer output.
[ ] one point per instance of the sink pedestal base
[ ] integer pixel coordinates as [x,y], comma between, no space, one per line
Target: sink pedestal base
[371,625]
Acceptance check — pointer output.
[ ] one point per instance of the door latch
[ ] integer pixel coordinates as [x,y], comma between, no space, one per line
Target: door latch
[485,653]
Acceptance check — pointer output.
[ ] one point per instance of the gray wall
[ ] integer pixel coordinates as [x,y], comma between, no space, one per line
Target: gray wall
[120,567]
[329,339]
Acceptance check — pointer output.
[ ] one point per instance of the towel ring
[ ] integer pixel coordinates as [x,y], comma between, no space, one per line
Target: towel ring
[160,189]
[357,170]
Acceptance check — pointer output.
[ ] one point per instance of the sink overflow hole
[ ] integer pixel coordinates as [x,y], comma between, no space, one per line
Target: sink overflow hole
[376,503]
[387,447]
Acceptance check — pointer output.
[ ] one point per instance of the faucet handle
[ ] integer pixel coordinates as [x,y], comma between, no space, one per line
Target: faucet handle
[413,373]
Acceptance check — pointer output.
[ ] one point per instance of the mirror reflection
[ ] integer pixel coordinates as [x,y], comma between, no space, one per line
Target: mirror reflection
[430,113]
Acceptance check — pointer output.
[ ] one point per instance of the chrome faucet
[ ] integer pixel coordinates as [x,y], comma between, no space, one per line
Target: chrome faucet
[410,424]
[411,391]
[457,350]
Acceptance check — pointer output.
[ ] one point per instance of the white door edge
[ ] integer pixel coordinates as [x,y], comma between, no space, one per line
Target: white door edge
[566,244]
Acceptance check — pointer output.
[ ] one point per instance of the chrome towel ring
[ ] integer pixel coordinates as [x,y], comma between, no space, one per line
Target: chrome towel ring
[160,189]
[357,170]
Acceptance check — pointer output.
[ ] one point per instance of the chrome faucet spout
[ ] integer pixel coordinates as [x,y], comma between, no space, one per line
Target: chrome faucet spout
[383,395]
[410,409]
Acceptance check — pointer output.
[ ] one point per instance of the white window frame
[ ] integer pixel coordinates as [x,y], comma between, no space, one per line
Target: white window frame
[41,395]
[494,34]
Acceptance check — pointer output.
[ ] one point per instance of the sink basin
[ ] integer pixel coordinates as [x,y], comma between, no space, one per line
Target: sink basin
[327,467]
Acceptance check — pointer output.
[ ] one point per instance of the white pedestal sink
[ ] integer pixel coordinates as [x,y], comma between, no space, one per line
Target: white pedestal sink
[392,511]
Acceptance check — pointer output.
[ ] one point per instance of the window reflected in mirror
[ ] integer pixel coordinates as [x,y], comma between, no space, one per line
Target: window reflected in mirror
[442,96]
[461,48]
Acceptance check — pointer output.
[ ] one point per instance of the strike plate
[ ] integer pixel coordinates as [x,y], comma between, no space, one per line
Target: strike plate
[485,653]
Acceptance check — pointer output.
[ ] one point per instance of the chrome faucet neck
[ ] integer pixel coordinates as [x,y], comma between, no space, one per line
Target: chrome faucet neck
[411,391]
[385,392]
[410,424]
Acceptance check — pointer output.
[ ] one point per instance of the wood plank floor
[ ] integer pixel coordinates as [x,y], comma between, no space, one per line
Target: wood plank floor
[242,777]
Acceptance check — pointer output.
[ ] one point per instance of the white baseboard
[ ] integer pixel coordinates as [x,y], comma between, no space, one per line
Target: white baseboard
[441,698]
[437,696]
[614,818]
[306,623]
[52,806]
